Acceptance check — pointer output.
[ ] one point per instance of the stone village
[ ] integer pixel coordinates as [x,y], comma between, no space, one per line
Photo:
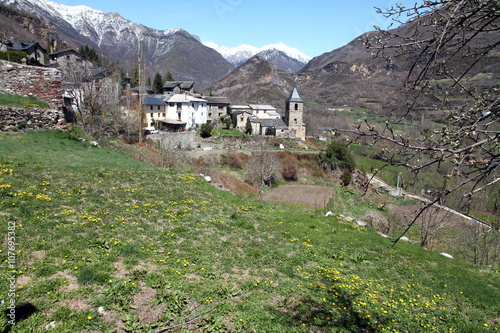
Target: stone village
[178,108]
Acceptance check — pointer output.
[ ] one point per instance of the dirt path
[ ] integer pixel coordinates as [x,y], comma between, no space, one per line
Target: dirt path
[305,195]
[378,183]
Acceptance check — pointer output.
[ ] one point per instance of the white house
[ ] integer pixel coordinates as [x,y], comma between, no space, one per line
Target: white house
[187,108]
[155,110]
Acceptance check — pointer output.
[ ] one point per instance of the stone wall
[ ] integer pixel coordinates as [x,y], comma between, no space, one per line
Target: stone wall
[41,82]
[16,119]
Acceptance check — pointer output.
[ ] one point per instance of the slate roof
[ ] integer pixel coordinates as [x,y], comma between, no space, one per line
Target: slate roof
[294,97]
[150,100]
[23,46]
[217,100]
[277,123]
[184,98]
[261,107]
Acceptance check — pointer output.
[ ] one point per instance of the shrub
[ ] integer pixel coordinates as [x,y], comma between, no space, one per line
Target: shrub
[14,56]
[206,130]
[289,167]
[346,177]
[337,155]
[248,127]
[235,160]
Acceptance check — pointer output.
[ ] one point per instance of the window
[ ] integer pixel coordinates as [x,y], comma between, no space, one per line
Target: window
[178,116]
[151,107]
[158,114]
[171,104]
[220,107]
[210,114]
[295,121]
[296,106]
[164,114]
[179,106]
[158,109]
[265,111]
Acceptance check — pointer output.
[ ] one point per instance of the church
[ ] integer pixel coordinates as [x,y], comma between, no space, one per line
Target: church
[265,120]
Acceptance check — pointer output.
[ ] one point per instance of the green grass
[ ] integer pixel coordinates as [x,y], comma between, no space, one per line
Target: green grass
[224,131]
[95,228]
[21,102]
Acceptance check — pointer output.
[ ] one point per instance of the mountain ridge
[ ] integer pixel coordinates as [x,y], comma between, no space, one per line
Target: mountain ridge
[290,59]
[120,39]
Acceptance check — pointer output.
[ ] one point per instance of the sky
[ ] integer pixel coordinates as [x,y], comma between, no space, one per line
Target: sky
[311,26]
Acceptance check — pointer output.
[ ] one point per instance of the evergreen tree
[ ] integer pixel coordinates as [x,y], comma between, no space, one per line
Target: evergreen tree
[90,54]
[248,127]
[169,77]
[158,84]
[135,77]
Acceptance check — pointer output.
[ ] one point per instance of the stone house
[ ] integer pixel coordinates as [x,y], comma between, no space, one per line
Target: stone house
[266,120]
[177,87]
[217,107]
[33,50]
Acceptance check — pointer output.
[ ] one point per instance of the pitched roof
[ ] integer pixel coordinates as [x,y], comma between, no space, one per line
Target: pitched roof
[217,100]
[261,107]
[278,123]
[63,52]
[184,98]
[294,97]
[150,100]
[23,46]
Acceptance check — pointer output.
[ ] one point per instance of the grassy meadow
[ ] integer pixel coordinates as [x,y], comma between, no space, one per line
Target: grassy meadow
[106,243]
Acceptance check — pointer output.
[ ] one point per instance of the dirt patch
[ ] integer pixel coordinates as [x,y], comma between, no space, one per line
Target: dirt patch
[231,183]
[304,195]
[148,311]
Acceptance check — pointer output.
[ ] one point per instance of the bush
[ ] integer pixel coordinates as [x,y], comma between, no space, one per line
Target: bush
[14,56]
[337,155]
[206,131]
[289,167]
[235,160]
[346,177]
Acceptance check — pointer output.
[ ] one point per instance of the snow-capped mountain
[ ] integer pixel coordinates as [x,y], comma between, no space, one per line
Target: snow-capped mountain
[239,54]
[173,50]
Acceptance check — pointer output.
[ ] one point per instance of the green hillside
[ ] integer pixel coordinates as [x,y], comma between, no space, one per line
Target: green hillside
[100,242]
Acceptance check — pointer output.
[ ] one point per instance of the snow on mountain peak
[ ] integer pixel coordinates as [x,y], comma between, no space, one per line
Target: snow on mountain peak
[241,53]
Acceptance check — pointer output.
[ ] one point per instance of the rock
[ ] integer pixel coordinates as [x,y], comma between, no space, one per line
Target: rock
[94,143]
[361,223]
[281,146]
[50,325]
[404,238]
[446,255]
[101,310]
[328,213]
[381,234]
[208,178]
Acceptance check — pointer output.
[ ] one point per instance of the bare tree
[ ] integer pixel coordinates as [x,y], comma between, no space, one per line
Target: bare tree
[263,166]
[447,43]
[95,97]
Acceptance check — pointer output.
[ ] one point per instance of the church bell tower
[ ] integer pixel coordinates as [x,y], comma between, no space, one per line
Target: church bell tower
[294,110]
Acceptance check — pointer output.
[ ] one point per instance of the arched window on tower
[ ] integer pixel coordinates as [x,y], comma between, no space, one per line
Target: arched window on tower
[295,121]
[296,106]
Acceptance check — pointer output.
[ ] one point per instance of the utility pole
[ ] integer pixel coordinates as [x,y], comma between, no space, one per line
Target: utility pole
[141,80]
